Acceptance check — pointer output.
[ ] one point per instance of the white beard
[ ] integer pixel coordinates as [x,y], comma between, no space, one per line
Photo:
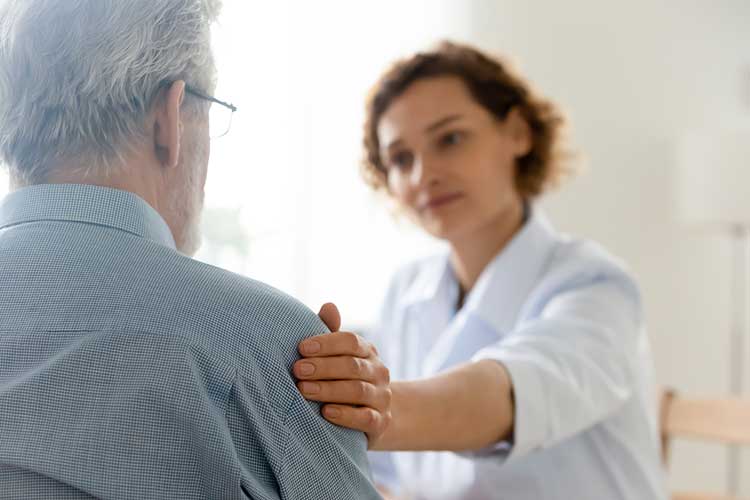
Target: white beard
[186,203]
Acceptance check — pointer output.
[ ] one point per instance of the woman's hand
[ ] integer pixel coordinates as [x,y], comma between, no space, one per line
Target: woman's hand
[344,371]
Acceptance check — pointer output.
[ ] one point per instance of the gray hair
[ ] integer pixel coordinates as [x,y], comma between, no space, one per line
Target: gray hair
[78,77]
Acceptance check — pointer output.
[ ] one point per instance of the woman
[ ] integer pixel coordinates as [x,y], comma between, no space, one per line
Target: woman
[519,357]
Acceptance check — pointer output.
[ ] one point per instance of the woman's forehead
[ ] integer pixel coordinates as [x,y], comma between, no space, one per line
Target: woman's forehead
[423,104]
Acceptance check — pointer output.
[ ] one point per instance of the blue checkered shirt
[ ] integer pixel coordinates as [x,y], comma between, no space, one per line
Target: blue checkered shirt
[128,370]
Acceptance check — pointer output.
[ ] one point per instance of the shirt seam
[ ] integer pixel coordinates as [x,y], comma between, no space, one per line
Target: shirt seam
[153,238]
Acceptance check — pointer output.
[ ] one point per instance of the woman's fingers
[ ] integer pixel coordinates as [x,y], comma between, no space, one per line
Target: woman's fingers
[347,392]
[344,370]
[367,420]
[330,315]
[341,368]
[336,344]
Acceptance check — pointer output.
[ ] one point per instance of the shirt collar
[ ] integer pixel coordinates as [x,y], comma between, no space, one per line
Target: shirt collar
[87,204]
[503,285]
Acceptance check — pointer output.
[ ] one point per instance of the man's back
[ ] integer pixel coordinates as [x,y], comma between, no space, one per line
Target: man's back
[130,371]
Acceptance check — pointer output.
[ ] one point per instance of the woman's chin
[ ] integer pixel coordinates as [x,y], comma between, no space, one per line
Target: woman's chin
[445,229]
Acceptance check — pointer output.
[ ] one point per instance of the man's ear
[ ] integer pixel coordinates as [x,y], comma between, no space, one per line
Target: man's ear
[520,132]
[168,124]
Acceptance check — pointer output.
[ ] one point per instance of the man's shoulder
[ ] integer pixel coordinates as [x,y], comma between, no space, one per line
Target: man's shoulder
[226,300]
[232,320]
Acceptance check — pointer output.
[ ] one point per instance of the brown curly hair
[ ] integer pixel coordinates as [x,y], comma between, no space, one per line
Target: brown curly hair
[495,87]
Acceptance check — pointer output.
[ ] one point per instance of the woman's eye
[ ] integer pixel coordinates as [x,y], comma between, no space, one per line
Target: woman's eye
[401,160]
[451,138]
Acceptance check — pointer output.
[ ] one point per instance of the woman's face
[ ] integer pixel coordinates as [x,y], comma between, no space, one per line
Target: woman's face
[450,163]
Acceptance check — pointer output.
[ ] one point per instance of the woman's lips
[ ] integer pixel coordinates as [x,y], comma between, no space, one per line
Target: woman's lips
[436,202]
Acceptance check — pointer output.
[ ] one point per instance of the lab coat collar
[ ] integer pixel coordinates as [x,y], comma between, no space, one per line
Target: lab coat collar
[503,285]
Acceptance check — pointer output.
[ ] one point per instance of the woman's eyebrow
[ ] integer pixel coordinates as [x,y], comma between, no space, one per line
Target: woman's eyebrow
[442,122]
[430,128]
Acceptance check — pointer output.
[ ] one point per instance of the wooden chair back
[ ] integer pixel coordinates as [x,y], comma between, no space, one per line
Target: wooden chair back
[723,420]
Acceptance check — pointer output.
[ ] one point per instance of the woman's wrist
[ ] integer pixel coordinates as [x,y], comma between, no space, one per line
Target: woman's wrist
[467,408]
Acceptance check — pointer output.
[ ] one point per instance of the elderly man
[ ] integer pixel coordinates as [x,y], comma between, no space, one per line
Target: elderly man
[127,369]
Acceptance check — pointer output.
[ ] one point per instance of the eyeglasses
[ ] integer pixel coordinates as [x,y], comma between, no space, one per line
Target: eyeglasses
[219,117]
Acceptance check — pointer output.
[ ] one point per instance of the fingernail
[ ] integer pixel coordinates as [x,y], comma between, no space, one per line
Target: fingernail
[311,347]
[306,368]
[332,412]
[310,387]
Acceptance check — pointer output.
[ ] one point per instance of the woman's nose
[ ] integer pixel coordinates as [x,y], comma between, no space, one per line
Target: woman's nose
[424,172]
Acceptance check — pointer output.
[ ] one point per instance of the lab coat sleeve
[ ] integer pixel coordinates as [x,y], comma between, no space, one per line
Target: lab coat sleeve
[573,365]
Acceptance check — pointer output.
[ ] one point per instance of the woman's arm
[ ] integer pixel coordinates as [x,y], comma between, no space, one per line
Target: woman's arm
[467,408]
[572,366]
